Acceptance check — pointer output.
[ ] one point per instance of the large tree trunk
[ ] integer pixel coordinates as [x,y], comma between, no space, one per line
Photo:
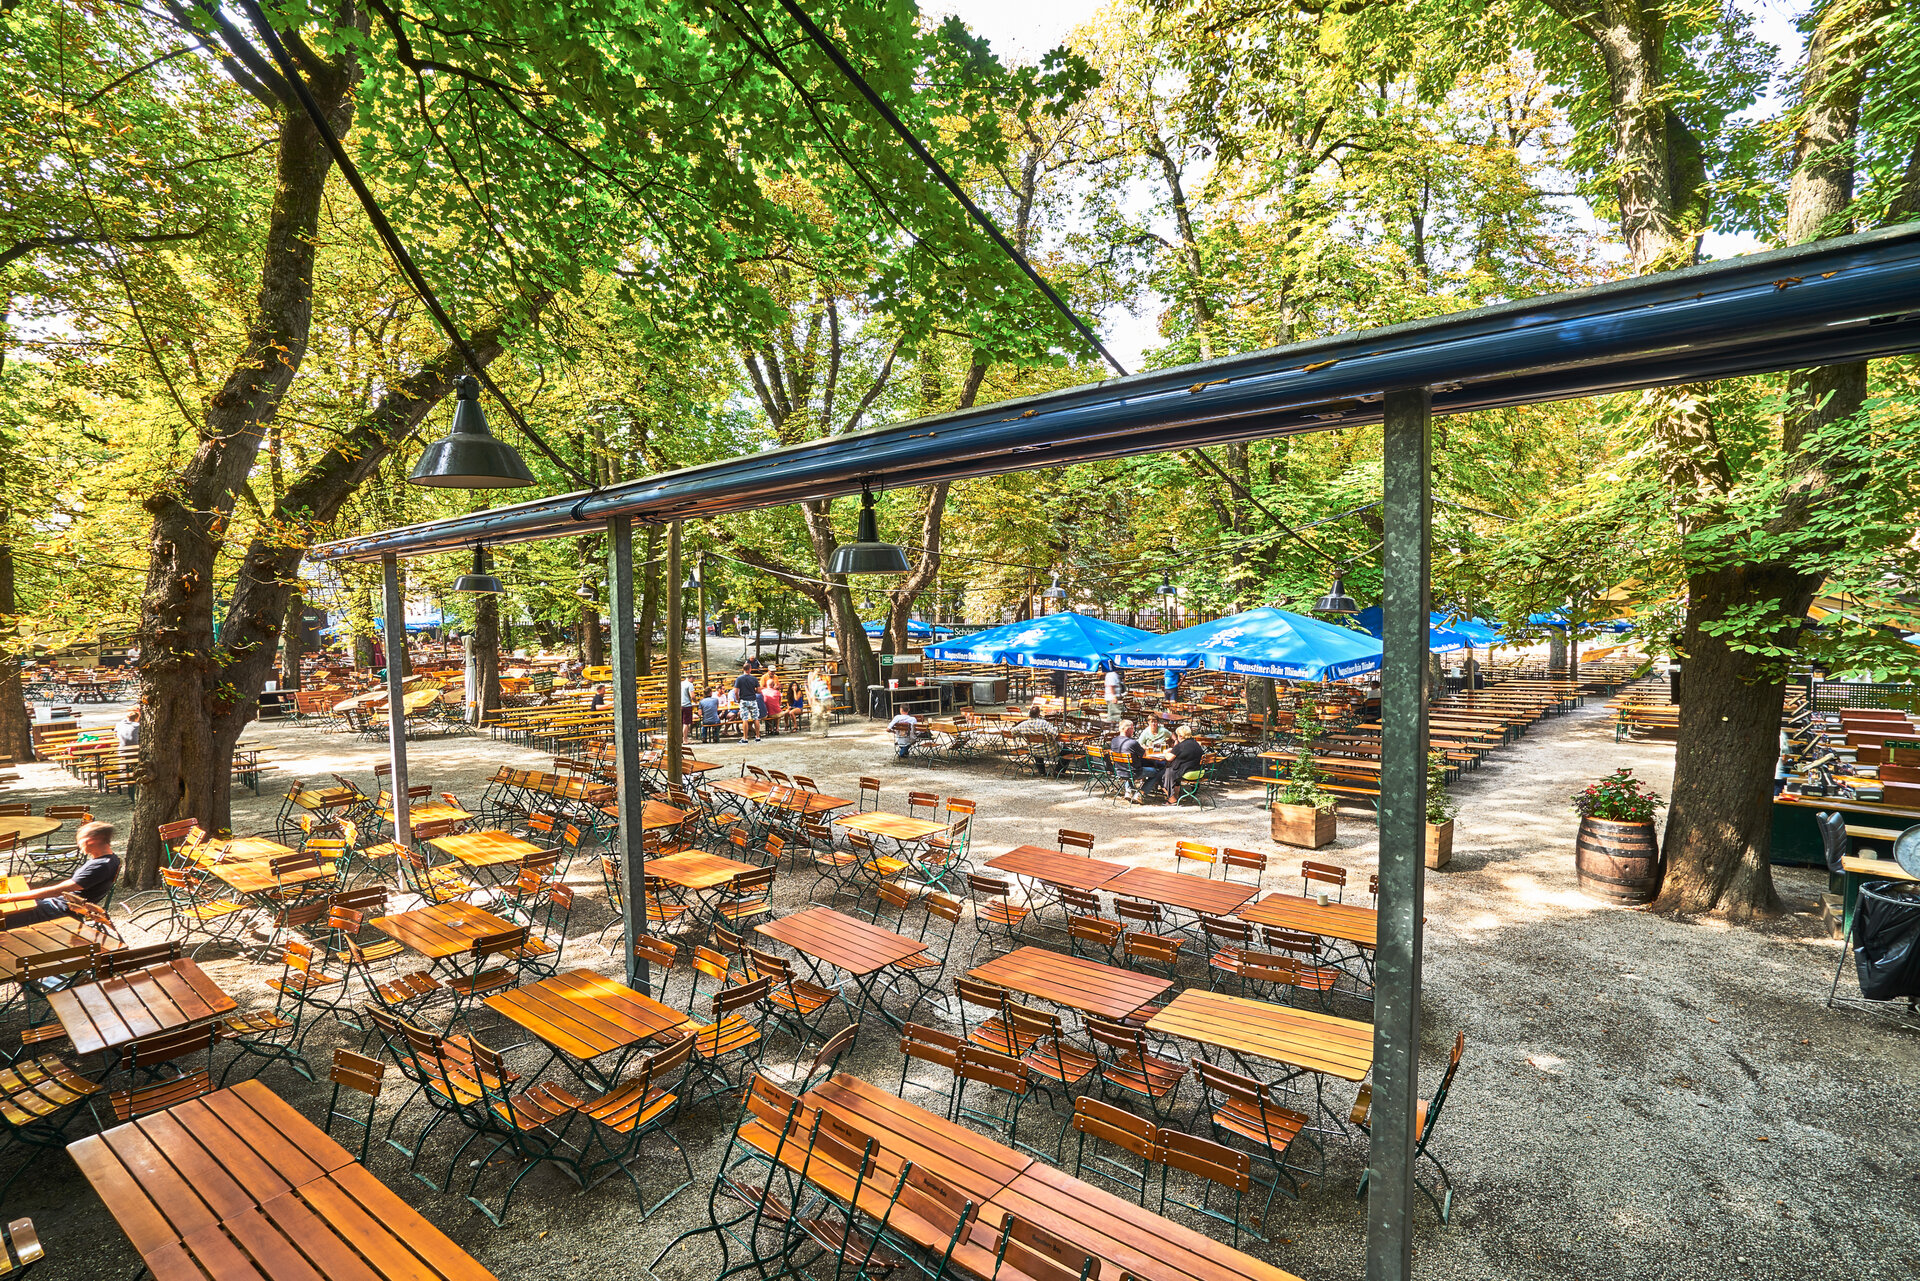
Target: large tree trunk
[486,657]
[1719,830]
[650,601]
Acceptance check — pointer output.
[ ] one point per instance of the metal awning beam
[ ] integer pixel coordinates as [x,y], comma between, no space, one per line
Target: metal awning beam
[1846,299]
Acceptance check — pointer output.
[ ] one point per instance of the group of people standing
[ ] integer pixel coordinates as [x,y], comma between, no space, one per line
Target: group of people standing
[757,703]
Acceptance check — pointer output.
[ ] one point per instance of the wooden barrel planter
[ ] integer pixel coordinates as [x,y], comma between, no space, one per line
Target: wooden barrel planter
[1619,862]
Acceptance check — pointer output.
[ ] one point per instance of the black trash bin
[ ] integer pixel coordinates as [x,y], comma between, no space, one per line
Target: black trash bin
[1886,940]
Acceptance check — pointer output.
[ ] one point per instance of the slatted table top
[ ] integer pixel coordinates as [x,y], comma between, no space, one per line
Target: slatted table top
[1182,890]
[255,876]
[443,930]
[1072,981]
[1347,921]
[696,870]
[1126,1238]
[240,1185]
[653,818]
[418,815]
[27,827]
[1876,867]
[585,1014]
[485,849]
[47,936]
[14,885]
[1277,1033]
[1054,867]
[112,1012]
[657,761]
[754,789]
[901,827]
[847,943]
[971,1162]
[239,849]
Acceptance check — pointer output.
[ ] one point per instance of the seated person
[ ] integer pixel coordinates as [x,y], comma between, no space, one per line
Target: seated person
[92,880]
[1047,752]
[1187,754]
[770,705]
[710,717]
[904,728]
[1156,737]
[1129,761]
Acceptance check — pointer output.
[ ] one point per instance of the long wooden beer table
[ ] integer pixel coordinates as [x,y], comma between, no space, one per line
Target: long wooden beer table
[1126,1238]
[239,1185]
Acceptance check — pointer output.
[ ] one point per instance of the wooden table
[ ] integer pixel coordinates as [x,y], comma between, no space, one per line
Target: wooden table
[696,870]
[113,1012]
[1190,893]
[8,911]
[654,815]
[971,1162]
[1345,921]
[240,1185]
[27,827]
[1072,981]
[584,1015]
[1126,1238]
[1303,1039]
[902,829]
[239,849]
[255,876]
[1856,871]
[417,815]
[859,948]
[485,849]
[47,936]
[440,931]
[1052,867]
[756,791]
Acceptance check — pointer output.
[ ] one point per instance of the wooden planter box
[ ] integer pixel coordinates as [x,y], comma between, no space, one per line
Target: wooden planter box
[1302,826]
[1439,844]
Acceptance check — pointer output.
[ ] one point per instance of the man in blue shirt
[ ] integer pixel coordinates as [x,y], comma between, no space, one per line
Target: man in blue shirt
[92,880]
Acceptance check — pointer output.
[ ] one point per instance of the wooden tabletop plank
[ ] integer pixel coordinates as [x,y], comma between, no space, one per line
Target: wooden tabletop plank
[1263,1030]
[1054,867]
[1122,1235]
[586,1014]
[844,942]
[141,1216]
[696,869]
[227,1176]
[1072,981]
[899,827]
[971,1162]
[1182,890]
[1346,921]
[283,1238]
[271,1126]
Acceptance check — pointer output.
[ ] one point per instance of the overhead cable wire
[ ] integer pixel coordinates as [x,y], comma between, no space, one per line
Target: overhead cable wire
[391,238]
[825,44]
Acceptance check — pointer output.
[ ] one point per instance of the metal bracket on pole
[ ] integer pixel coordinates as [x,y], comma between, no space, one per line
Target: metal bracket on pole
[626,742]
[396,638]
[676,628]
[1403,816]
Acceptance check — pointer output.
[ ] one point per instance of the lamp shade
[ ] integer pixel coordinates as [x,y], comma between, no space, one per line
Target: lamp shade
[478,580]
[1054,590]
[1336,601]
[867,554]
[1166,587]
[468,456]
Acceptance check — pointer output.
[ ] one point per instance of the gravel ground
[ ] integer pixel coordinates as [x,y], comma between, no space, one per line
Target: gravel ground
[1641,1097]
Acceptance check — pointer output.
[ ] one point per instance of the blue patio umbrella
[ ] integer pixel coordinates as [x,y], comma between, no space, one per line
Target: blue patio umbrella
[1066,642]
[1478,631]
[915,628]
[1261,642]
[1442,638]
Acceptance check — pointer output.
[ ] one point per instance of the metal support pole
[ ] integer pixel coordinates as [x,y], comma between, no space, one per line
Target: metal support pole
[676,629]
[1403,815]
[396,628]
[626,745]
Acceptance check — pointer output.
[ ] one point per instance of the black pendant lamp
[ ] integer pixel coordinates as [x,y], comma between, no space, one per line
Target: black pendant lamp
[1336,601]
[867,554]
[1166,587]
[468,456]
[478,580]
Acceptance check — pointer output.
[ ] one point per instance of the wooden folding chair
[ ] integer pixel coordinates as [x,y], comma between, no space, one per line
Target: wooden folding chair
[1111,1126]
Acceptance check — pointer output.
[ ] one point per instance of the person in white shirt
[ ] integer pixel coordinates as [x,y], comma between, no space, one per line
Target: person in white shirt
[903,727]
[128,730]
[1113,695]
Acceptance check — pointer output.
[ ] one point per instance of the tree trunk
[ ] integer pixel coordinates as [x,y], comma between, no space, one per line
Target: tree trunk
[593,648]
[650,601]
[486,656]
[16,722]
[292,635]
